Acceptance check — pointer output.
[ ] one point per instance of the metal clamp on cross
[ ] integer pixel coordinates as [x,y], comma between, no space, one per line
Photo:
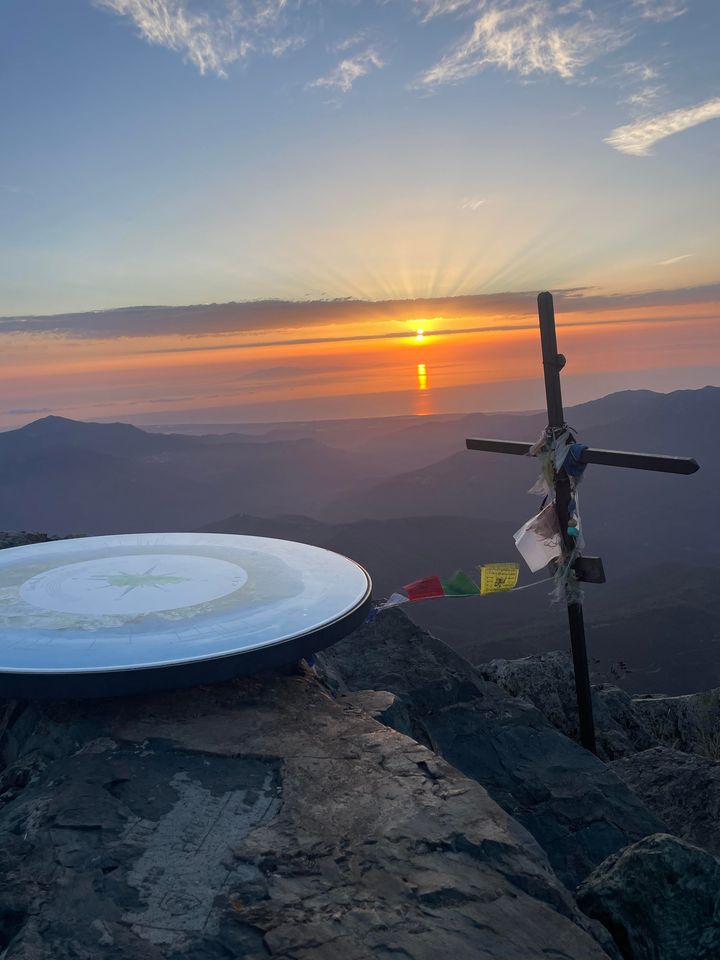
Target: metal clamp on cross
[587,569]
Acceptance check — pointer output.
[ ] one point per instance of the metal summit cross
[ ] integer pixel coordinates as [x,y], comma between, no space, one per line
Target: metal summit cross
[587,569]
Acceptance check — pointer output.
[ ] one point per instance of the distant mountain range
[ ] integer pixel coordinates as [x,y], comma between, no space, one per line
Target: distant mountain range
[404,498]
[63,475]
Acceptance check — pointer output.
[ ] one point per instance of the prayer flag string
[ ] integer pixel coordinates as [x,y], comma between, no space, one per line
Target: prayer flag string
[539,541]
[494,578]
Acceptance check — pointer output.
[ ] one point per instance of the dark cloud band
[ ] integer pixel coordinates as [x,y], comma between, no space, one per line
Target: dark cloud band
[288,315]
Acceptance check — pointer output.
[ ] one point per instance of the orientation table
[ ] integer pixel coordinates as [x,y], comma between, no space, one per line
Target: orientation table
[106,616]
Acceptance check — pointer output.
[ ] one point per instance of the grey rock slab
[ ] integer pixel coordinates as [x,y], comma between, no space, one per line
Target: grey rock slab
[690,722]
[184,857]
[264,818]
[660,898]
[577,809]
[683,789]
[547,681]
[134,837]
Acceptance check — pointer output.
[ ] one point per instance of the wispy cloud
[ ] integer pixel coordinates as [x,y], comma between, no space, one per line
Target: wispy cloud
[671,260]
[559,38]
[640,86]
[210,37]
[439,8]
[350,69]
[472,203]
[527,37]
[642,72]
[352,41]
[282,45]
[644,97]
[660,10]
[640,137]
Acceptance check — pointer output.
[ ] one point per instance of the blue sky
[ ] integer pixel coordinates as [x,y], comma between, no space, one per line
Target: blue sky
[190,151]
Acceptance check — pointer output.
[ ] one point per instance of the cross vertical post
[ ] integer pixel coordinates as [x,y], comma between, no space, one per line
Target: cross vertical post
[553,362]
[584,569]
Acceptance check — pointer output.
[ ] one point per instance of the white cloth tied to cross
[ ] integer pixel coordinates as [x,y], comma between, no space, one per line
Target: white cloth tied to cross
[538,540]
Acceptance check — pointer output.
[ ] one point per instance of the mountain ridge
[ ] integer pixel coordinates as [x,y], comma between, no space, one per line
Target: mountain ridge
[350,490]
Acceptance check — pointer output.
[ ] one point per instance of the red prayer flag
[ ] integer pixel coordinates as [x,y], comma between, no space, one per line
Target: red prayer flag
[424,589]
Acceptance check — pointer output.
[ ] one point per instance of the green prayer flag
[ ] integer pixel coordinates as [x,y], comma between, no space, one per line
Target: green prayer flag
[459,585]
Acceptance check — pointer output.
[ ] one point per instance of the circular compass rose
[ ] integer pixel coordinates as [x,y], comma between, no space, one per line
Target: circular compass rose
[133,581]
[133,584]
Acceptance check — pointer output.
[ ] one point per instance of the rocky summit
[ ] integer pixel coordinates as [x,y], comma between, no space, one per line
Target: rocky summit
[262,818]
[391,802]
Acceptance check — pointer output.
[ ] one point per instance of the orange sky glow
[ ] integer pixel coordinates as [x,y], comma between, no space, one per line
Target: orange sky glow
[480,357]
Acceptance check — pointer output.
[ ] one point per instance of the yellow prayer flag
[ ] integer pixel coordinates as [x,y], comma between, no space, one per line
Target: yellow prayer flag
[498,577]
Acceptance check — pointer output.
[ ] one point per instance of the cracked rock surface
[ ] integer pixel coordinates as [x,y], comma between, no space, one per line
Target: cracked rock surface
[577,809]
[261,818]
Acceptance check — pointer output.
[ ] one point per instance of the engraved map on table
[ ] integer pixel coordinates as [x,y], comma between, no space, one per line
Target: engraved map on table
[149,599]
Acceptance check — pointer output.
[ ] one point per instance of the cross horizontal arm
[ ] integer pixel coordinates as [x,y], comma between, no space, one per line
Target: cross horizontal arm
[608,458]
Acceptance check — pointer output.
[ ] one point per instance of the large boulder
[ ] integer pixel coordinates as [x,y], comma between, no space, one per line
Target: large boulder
[577,809]
[682,789]
[690,722]
[660,898]
[547,680]
[258,819]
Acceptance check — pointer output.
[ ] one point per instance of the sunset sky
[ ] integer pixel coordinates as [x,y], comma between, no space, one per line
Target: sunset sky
[328,178]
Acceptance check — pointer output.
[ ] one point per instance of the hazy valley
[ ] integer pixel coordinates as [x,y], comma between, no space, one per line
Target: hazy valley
[406,499]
